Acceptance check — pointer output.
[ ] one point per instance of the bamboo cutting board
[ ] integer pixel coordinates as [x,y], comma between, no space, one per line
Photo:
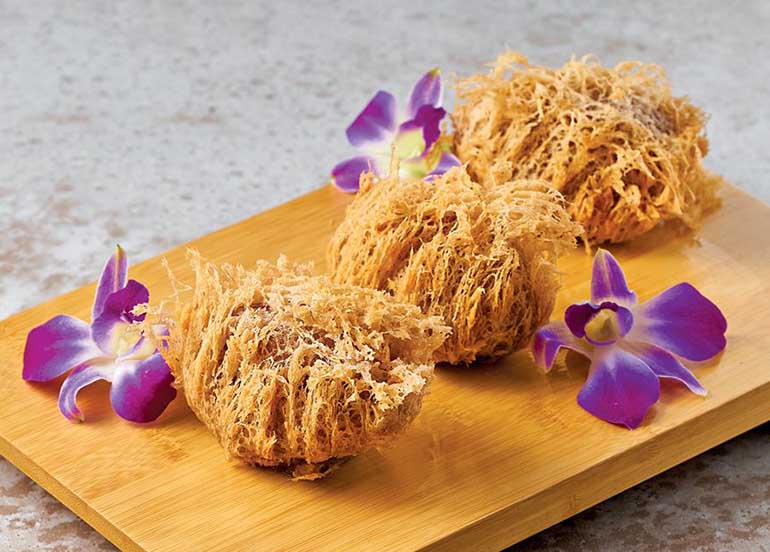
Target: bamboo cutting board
[498,453]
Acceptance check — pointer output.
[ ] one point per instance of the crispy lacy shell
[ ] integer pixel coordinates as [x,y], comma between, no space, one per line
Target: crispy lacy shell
[290,370]
[625,153]
[481,258]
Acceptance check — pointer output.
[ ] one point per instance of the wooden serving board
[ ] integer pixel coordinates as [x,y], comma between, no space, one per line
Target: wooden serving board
[498,453]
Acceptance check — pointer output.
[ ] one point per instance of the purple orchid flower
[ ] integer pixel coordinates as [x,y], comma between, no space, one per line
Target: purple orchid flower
[112,348]
[416,136]
[632,345]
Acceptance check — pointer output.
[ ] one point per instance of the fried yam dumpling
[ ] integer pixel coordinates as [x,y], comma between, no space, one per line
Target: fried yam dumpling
[623,151]
[293,371]
[481,258]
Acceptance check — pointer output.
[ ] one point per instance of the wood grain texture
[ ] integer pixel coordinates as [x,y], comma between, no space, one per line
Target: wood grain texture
[499,452]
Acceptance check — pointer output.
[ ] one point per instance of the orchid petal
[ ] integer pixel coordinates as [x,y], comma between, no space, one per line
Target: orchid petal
[428,120]
[113,277]
[666,365]
[427,91]
[111,330]
[681,321]
[620,388]
[85,374]
[578,316]
[552,337]
[346,175]
[141,391]
[446,162]
[376,123]
[57,346]
[608,283]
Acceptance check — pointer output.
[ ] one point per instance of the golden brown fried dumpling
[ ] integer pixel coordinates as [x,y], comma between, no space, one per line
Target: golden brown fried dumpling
[625,153]
[481,258]
[291,370]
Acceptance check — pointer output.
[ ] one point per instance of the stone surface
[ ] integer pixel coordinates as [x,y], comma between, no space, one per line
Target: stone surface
[151,123]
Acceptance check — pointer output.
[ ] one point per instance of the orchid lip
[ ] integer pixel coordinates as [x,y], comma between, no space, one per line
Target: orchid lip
[112,330]
[600,325]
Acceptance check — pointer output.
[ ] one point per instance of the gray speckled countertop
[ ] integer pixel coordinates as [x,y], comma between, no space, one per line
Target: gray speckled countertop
[152,123]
